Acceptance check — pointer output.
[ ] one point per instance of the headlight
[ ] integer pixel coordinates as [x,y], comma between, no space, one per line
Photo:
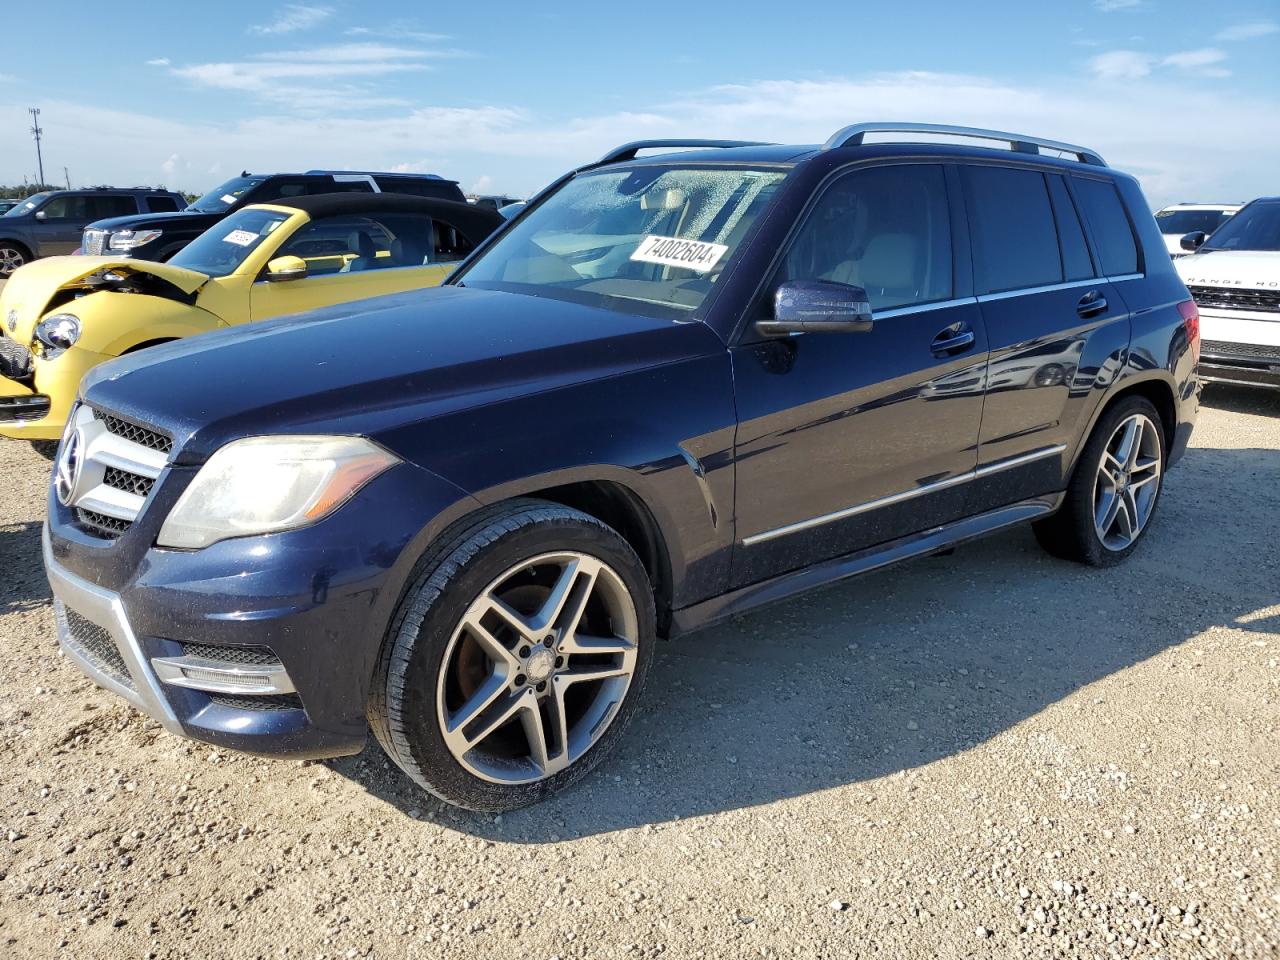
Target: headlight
[268,484]
[129,239]
[58,332]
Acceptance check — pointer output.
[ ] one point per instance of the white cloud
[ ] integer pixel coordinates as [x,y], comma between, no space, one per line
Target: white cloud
[293,17]
[158,62]
[1247,31]
[352,53]
[398,30]
[1121,65]
[1198,61]
[520,150]
[482,184]
[1111,6]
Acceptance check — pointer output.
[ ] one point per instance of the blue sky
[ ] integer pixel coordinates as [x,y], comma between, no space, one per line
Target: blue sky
[504,96]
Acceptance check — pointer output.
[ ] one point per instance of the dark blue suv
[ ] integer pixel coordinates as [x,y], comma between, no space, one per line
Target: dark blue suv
[672,389]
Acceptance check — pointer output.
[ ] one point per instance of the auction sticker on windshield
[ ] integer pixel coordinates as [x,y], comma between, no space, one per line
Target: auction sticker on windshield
[241,238]
[674,252]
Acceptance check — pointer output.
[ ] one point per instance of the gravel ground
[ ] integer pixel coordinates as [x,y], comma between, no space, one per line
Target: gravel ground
[991,754]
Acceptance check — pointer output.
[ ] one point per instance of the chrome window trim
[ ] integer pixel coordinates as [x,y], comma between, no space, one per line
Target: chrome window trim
[921,308]
[894,498]
[1050,287]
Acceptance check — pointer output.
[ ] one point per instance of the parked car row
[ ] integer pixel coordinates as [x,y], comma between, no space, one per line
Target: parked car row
[673,387]
[53,223]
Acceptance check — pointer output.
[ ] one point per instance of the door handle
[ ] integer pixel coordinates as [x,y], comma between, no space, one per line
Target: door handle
[954,339]
[1092,304]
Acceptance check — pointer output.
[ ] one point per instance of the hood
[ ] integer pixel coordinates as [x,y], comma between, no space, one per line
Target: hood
[1258,269]
[379,365]
[186,219]
[32,288]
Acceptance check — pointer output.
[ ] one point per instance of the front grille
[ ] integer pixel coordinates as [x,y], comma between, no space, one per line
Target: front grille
[94,643]
[136,434]
[1234,298]
[132,482]
[101,524]
[94,241]
[15,359]
[1222,348]
[249,656]
[275,701]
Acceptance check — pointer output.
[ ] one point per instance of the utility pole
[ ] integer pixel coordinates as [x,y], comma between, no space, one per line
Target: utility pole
[37,133]
[66,176]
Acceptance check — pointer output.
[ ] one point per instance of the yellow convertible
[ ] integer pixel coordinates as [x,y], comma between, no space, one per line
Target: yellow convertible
[62,316]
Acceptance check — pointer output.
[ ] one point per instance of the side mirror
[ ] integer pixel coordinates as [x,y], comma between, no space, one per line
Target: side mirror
[1194,240]
[41,215]
[286,268]
[818,306]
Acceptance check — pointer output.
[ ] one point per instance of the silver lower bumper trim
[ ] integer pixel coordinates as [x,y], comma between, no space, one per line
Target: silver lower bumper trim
[104,609]
[218,676]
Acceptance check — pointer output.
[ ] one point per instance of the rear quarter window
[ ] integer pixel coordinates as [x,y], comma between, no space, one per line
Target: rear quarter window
[1104,210]
[1015,239]
[161,204]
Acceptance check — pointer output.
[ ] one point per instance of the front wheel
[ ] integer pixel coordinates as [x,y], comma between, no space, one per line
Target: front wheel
[516,658]
[1114,489]
[12,257]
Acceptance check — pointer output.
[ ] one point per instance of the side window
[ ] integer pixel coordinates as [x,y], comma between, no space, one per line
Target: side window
[160,203]
[1015,241]
[354,244]
[66,207]
[448,243]
[1075,252]
[283,188]
[887,229]
[1104,210]
[111,206]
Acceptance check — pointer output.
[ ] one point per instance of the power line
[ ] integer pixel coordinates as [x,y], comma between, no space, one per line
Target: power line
[37,133]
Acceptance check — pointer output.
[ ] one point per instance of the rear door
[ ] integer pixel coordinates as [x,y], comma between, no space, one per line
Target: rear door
[1055,323]
[846,440]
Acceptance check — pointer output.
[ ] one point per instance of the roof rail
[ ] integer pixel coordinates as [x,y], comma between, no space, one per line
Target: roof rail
[853,136]
[628,151]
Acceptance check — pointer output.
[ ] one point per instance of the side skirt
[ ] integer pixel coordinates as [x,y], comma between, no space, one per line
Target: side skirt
[748,598]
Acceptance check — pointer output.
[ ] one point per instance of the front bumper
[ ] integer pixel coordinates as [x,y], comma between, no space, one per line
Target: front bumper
[40,411]
[159,677]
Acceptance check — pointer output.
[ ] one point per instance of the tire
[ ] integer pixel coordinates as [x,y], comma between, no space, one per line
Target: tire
[12,256]
[1073,533]
[450,648]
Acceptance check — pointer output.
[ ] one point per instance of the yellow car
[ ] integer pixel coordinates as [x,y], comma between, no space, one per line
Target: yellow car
[62,316]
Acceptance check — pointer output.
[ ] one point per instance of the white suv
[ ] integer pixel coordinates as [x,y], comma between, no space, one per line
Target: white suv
[1177,221]
[1235,279]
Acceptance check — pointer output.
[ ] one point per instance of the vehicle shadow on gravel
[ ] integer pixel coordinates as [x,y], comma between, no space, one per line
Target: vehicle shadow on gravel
[25,585]
[1224,396]
[893,671]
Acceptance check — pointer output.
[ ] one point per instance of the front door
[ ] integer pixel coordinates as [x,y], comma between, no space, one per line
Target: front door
[846,440]
[353,258]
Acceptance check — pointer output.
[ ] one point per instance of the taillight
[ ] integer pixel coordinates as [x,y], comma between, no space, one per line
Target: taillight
[1190,314]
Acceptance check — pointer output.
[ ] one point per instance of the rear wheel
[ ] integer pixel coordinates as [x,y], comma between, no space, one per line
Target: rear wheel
[12,256]
[516,658]
[1114,490]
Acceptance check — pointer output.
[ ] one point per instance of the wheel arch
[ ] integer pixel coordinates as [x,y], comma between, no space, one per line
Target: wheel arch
[617,505]
[22,245]
[1154,388]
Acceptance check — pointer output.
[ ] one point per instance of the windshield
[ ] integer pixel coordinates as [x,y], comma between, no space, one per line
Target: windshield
[1256,227]
[227,244]
[27,205]
[648,240]
[217,200]
[1181,222]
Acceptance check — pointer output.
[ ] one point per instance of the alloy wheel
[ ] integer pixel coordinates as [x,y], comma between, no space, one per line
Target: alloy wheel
[1127,482]
[537,667]
[11,259]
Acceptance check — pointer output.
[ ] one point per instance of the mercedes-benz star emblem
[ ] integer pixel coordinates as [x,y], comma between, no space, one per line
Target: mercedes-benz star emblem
[67,472]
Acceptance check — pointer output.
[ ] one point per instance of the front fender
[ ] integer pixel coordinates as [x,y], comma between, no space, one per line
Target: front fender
[114,323]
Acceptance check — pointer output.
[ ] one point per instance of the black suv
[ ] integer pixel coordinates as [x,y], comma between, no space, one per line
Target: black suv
[676,387]
[160,237]
[47,224]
